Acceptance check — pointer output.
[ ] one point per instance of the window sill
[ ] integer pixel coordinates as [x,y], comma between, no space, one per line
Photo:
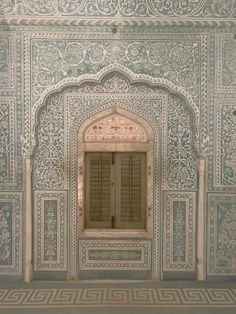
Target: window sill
[115,233]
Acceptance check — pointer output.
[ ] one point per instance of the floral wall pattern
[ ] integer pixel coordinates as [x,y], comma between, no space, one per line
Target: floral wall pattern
[174,53]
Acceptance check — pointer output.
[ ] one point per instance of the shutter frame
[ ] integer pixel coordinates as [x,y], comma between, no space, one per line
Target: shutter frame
[116,194]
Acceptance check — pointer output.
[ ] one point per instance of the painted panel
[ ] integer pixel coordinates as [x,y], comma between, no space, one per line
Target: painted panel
[114,255]
[50,231]
[221,234]
[6,60]
[115,128]
[179,231]
[7,141]
[225,143]
[10,233]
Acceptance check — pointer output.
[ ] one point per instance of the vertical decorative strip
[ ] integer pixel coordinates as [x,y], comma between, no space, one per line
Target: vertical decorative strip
[50,231]
[179,231]
[201,223]
[28,221]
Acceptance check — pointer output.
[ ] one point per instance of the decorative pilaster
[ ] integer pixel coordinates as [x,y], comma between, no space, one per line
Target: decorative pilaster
[28,221]
[201,224]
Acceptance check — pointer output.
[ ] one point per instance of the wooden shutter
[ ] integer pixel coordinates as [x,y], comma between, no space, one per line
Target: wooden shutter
[99,195]
[130,191]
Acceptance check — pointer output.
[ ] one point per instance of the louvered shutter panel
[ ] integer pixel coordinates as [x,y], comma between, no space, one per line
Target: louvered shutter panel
[99,198]
[130,191]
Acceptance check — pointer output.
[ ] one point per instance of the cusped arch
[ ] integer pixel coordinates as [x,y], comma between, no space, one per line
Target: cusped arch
[99,79]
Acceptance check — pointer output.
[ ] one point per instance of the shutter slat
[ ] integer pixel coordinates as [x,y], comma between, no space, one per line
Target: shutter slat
[98,190]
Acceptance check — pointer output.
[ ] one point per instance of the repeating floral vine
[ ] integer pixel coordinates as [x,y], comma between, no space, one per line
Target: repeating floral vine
[139,8]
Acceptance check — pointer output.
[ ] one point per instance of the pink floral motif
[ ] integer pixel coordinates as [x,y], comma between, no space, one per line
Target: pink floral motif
[115,128]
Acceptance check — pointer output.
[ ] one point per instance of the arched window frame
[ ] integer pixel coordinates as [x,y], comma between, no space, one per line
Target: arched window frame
[117,146]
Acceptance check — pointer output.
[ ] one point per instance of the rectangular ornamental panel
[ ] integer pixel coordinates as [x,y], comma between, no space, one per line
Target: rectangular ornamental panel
[10,233]
[50,252]
[226,65]
[114,255]
[225,143]
[179,231]
[222,234]
[7,141]
[7,60]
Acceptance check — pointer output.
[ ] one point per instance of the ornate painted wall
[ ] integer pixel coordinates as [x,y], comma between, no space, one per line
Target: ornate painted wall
[172,63]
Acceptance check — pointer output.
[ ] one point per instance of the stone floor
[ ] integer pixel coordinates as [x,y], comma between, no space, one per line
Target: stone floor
[125,297]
